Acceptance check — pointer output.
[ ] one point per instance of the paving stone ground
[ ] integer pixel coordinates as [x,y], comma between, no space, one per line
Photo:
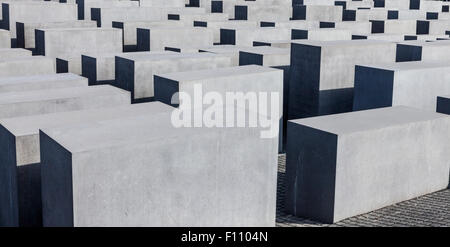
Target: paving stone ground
[426,211]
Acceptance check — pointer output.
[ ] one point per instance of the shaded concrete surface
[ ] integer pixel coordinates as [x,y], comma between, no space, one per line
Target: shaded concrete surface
[432,210]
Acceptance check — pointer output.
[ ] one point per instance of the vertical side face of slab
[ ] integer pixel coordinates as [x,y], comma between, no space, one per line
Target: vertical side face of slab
[334,101]
[80,6]
[299,12]
[57,192]
[89,69]
[310,172]
[227,37]
[377,26]
[96,15]
[62,66]
[304,81]
[299,34]
[373,88]
[406,53]
[443,105]
[39,42]
[143,39]
[5,17]
[247,58]
[165,89]
[9,211]
[124,74]
[423,27]
[240,12]
[20,33]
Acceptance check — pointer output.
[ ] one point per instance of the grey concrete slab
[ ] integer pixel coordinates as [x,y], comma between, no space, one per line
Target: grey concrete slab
[22,205]
[414,84]
[263,12]
[264,56]
[443,104]
[25,11]
[394,26]
[318,13]
[246,79]
[246,36]
[19,66]
[423,51]
[135,72]
[105,16]
[162,3]
[16,104]
[215,26]
[41,82]
[130,28]
[64,42]
[10,53]
[155,39]
[85,6]
[5,39]
[322,34]
[26,30]
[231,51]
[286,44]
[144,173]
[348,164]
[99,68]
[322,73]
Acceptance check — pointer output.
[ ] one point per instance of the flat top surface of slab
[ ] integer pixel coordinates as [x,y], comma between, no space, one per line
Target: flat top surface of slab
[358,121]
[215,73]
[75,29]
[266,50]
[416,65]
[175,55]
[31,124]
[24,59]
[425,43]
[124,54]
[341,42]
[37,78]
[49,94]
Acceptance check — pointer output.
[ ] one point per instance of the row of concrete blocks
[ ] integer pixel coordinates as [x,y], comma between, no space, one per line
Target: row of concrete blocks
[183,79]
[42,185]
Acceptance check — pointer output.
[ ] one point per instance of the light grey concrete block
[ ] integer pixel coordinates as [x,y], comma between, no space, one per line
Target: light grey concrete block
[5,39]
[322,34]
[414,84]
[26,30]
[17,104]
[26,11]
[65,42]
[135,72]
[21,66]
[247,79]
[149,173]
[41,82]
[246,36]
[322,73]
[130,28]
[318,13]
[343,165]
[155,39]
[85,6]
[21,204]
[438,51]
[11,53]
[265,56]
[215,26]
[99,68]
